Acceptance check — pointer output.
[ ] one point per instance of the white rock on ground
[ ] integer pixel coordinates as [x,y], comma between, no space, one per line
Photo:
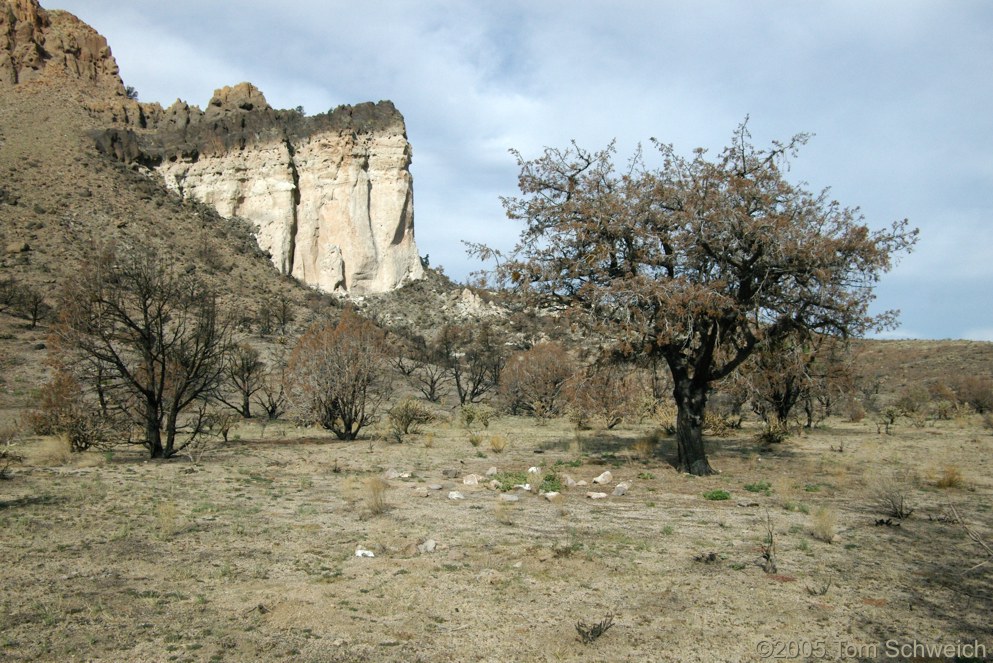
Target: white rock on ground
[604,478]
[596,496]
[456,495]
[621,488]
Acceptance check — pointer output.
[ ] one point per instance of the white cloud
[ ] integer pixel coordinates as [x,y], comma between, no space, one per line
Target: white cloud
[897,94]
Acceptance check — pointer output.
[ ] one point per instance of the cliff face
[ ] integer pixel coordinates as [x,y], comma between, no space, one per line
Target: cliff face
[331,195]
[35,43]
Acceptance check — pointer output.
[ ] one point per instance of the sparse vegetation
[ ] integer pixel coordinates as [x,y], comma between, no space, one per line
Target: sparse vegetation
[407,417]
[590,633]
[337,375]
[376,488]
[717,495]
[824,524]
[892,497]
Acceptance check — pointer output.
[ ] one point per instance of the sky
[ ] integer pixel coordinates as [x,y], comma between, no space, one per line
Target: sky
[897,94]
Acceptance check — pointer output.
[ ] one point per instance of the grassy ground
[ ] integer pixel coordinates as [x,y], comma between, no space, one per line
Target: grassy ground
[250,553]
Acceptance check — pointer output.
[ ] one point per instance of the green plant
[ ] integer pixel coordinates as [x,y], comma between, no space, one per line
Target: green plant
[475,439]
[508,480]
[475,413]
[551,483]
[798,507]
[759,487]
[717,495]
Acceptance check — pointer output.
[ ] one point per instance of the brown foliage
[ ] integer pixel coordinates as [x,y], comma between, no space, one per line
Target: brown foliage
[63,411]
[976,392]
[694,261]
[606,392]
[336,376]
[532,381]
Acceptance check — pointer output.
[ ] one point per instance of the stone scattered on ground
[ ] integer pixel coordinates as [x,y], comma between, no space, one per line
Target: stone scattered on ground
[604,478]
[428,546]
[621,488]
[455,495]
[596,496]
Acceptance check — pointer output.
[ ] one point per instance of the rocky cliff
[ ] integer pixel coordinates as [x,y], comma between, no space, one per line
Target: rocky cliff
[331,195]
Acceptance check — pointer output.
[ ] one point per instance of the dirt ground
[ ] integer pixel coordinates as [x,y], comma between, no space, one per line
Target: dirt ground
[250,553]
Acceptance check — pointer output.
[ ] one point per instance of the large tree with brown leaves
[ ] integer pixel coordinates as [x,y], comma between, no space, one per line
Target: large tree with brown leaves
[695,261]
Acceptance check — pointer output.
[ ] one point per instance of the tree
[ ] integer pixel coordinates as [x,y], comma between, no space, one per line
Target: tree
[152,340]
[695,261]
[605,390]
[532,381]
[244,370]
[271,396]
[474,359]
[431,371]
[336,375]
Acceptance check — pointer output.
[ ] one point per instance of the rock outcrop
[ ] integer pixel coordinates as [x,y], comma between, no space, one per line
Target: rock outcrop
[331,195]
[35,43]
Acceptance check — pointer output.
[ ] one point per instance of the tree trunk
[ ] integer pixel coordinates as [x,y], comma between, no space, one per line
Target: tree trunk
[153,434]
[246,406]
[691,403]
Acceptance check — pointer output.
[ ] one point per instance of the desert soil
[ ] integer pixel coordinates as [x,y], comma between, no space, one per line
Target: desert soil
[250,553]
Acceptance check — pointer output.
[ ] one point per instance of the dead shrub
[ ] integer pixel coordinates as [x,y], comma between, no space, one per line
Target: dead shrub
[976,392]
[8,441]
[717,424]
[376,488]
[532,381]
[337,375]
[498,444]
[893,496]
[824,524]
[62,411]
[950,477]
[605,393]
[407,417]
[855,411]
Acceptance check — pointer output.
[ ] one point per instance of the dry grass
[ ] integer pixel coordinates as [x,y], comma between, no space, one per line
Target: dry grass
[376,488]
[255,550]
[950,477]
[824,524]
[498,444]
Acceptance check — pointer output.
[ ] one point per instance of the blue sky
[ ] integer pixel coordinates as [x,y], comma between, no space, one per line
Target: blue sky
[898,95]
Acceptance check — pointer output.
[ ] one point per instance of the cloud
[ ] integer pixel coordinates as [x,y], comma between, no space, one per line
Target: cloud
[897,95]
